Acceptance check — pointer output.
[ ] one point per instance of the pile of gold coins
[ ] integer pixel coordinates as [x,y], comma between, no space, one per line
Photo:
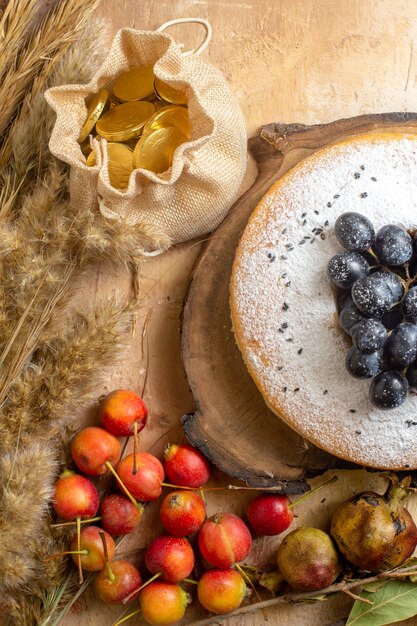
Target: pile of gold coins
[143,119]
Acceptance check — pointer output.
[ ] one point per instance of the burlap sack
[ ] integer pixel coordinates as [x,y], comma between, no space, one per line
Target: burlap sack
[194,195]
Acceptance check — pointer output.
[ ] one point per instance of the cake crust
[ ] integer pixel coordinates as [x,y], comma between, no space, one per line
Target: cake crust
[283,307]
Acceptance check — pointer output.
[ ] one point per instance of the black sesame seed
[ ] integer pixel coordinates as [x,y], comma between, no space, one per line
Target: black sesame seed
[352,410]
[336,196]
[296,389]
[413,423]
[329,204]
[313,240]
[299,351]
[290,340]
[362,167]
[283,257]
[284,325]
[304,222]
[301,243]
[316,212]
[285,306]
[373,178]
[280,330]
[325,391]
[406,465]
[364,194]
[279,368]
[358,432]
[284,231]
[285,389]
[324,500]
[303,214]
[322,236]
[284,275]
[356,175]
[288,283]
[326,223]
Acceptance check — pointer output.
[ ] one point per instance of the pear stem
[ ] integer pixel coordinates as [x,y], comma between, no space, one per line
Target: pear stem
[82,521]
[310,493]
[121,484]
[190,581]
[80,569]
[145,584]
[135,448]
[111,577]
[124,619]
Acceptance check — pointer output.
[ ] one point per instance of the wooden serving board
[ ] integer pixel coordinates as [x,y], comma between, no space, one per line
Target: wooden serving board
[232,425]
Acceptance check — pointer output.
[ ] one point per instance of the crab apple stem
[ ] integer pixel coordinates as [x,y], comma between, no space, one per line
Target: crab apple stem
[55,556]
[248,579]
[124,619]
[148,582]
[135,448]
[82,521]
[310,493]
[111,577]
[121,483]
[190,581]
[80,569]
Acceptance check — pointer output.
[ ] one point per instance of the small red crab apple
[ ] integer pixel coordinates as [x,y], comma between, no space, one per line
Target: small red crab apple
[114,585]
[75,496]
[121,410]
[269,514]
[182,512]
[163,603]
[185,466]
[146,484]
[94,449]
[171,558]
[119,516]
[118,580]
[221,591]
[92,559]
[224,540]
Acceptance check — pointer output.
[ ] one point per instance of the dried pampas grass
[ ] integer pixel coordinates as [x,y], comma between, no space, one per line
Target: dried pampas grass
[25,78]
[50,355]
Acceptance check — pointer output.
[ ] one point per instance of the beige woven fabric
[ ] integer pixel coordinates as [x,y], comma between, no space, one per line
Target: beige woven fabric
[191,198]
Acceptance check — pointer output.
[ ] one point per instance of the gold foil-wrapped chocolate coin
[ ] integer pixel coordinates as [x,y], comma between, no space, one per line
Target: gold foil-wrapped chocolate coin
[155,150]
[120,164]
[124,121]
[95,108]
[135,84]
[91,159]
[169,116]
[170,94]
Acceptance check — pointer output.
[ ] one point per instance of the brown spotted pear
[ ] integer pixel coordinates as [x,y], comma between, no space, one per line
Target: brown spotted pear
[376,532]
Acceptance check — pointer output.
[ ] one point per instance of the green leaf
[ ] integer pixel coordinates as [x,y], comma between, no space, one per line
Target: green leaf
[395,601]
[375,586]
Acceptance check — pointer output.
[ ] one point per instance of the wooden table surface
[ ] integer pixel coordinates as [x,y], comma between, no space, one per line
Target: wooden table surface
[303,61]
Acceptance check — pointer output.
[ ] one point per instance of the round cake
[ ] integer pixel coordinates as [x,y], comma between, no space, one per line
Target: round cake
[283,305]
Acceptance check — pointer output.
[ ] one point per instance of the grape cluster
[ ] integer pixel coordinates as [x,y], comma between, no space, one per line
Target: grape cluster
[377,303]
